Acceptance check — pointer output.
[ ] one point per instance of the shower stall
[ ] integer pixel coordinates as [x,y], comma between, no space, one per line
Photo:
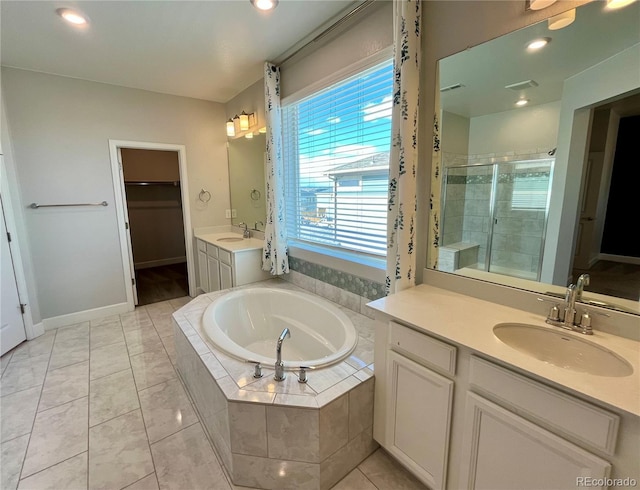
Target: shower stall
[494,217]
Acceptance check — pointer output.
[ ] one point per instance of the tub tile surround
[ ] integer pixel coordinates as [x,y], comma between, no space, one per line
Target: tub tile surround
[346,289]
[279,434]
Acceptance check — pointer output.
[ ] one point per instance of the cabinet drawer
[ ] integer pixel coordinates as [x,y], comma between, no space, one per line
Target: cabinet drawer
[565,414]
[423,348]
[202,246]
[225,257]
[212,250]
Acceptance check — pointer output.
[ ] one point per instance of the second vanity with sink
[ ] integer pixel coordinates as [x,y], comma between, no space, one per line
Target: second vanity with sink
[473,394]
[227,260]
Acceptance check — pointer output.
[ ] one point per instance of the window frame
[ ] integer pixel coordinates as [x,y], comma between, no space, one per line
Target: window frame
[366,264]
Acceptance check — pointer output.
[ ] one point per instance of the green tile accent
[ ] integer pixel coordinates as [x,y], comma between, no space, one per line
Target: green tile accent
[354,284]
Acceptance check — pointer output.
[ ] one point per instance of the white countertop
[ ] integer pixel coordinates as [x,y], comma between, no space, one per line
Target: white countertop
[469,322]
[244,244]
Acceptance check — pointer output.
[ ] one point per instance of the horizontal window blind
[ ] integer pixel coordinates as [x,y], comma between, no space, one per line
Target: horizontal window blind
[336,151]
[531,186]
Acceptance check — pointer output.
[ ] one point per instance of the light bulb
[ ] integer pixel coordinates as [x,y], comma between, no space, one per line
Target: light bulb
[72,17]
[231,130]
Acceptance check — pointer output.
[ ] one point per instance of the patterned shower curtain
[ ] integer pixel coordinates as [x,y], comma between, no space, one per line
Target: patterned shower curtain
[274,251]
[401,260]
[436,184]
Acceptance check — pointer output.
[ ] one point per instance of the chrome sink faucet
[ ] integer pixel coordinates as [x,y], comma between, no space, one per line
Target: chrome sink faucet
[279,376]
[246,233]
[565,317]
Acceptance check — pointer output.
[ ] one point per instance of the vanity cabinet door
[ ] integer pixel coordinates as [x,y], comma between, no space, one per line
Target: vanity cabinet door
[213,266]
[203,271]
[418,418]
[505,451]
[226,276]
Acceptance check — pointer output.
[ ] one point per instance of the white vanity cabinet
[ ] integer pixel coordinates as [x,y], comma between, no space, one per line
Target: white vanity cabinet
[458,420]
[219,268]
[419,402]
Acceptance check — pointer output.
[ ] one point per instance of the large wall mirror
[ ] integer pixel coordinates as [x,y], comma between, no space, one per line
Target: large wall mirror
[534,195]
[247,181]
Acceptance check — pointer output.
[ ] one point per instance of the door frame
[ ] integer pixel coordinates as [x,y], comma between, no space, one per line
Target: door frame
[121,208]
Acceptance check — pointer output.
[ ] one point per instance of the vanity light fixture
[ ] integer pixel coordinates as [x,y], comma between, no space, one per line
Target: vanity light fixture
[561,20]
[73,17]
[231,130]
[265,4]
[538,4]
[522,102]
[249,136]
[244,121]
[618,4]
[539,43]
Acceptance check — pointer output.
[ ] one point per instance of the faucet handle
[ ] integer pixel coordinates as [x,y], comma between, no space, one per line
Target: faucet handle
[257,370]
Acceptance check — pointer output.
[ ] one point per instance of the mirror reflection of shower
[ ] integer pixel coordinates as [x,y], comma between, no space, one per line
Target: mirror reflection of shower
[494,216]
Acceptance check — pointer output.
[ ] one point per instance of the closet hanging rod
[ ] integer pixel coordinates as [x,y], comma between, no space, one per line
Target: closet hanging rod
[35,205]
[174,183]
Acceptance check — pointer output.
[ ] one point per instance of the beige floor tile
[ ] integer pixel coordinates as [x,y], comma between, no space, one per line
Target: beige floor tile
[387,474]
[108,360]
[169,343]
[354,481]
[107,320]
[12,456]
[37,347]
[142,340]
[151,368]
[70,347]
[119,452]
[23,373]
[111,396]
[18,411]
[186,460]
[147,483]
[106,335]
[58,434]
[178,303]
[64,385]
[164,325]
[166,409]
[4,361]
[70,474]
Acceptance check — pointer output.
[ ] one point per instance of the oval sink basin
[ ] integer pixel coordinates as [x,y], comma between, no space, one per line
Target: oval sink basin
[562,350]
[230,239]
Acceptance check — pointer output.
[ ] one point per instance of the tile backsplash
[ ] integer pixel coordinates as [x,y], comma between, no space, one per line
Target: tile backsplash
[343,288]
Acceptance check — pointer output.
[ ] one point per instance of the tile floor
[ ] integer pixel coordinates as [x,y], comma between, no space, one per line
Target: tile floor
[99,405]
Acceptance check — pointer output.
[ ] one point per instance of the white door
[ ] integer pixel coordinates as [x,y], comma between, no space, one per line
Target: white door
[418,419]
[12,330]
[503,451]
[128,229]
[586,243]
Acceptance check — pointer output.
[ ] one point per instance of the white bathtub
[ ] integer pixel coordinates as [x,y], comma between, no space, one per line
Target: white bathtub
[246,324]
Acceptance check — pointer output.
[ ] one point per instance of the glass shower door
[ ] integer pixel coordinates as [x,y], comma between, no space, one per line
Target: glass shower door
[521,205]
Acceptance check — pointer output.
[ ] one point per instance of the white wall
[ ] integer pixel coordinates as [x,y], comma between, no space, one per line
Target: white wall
[454,133]
[60,129]
[527,128]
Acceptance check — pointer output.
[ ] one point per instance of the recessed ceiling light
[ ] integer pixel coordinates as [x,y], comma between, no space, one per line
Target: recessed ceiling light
[538,43]
[264,4]
[72,17]
[618,4]
[522,102]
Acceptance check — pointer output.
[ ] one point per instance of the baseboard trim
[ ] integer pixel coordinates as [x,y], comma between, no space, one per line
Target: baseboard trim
[160,262]
[86,315]
[620,258]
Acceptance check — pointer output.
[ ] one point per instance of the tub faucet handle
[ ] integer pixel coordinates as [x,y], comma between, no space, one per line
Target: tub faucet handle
[302,376]
[257,369]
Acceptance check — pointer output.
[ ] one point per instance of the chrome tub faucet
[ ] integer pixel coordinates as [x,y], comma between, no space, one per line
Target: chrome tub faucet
[279,376]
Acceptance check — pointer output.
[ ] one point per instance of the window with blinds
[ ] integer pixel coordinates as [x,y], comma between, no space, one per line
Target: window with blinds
[336,151]
[531,185]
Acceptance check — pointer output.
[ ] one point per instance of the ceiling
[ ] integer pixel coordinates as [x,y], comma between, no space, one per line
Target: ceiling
[209,49]
[485,70]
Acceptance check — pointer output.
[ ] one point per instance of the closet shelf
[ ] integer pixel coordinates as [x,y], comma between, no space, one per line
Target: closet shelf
[174,183]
